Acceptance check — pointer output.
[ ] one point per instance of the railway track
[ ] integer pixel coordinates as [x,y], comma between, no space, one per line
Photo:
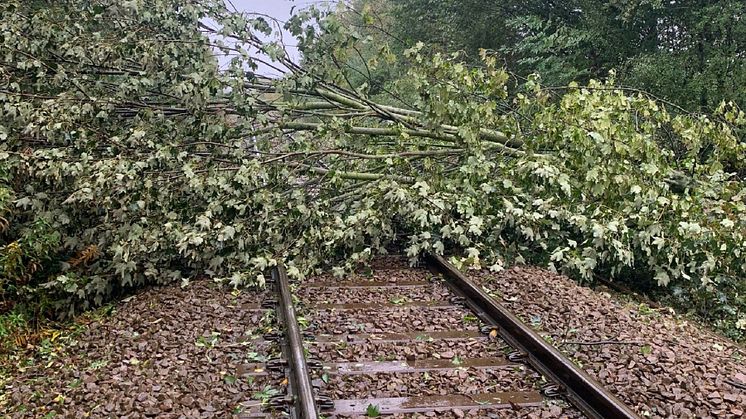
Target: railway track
[417,342]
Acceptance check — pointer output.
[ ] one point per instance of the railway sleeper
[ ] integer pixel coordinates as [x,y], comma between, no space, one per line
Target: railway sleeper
[422,404]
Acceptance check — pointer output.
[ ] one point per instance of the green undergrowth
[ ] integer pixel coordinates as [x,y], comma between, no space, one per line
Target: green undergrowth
[25,340]
[31,343]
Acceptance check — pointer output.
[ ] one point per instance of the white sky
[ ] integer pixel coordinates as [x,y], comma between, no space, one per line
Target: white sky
[280,10]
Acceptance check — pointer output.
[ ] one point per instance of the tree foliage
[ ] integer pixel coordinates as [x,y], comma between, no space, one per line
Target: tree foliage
[691,53]
[130,158]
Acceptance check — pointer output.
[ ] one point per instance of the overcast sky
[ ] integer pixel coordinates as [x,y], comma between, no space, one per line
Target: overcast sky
[280,10]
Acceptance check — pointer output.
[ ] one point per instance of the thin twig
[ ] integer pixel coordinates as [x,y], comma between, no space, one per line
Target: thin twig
[735,383]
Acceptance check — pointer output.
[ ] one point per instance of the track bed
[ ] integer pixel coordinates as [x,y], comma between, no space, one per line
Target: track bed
[397,341]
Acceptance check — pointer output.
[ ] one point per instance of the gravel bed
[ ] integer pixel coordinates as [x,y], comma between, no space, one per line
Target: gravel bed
[463,381]
[393,272]
[551,410]
[168,352]
[380,351]
[393,320]
[452,382]
[660,364]
[429,292]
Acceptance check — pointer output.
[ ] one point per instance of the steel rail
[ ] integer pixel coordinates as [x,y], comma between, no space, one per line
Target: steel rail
[304,402]
[585,393]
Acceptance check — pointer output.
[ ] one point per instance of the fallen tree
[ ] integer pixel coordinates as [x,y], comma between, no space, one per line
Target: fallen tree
[130,157]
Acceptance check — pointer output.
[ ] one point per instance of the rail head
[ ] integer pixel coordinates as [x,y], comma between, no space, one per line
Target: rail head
[585,393]
[303,394]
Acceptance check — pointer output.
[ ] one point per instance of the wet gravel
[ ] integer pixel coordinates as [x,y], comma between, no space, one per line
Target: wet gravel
[392,271]
[168,352]
[465,381]
[171,352]
[394,319]
[379,351]
[660,364]
[316,295]
[552,410]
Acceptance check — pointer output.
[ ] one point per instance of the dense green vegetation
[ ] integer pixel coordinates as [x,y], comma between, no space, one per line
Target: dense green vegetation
[691,53]
[128,157]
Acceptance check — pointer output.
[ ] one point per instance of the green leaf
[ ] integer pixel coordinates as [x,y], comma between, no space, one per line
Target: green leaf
[372,411]
[596,136]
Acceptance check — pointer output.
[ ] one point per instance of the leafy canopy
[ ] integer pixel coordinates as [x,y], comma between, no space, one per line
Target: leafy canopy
[691,53]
